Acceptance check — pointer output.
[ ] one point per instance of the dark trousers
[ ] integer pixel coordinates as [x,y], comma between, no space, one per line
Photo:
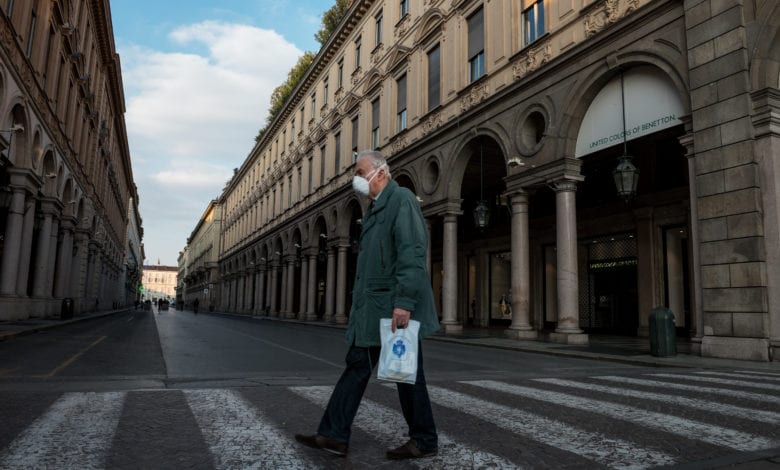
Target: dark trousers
[336,423]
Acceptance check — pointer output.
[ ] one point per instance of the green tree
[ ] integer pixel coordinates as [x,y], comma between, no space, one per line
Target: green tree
[331,19]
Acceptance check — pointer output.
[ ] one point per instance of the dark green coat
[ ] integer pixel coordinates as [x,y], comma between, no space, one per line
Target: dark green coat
[391,267]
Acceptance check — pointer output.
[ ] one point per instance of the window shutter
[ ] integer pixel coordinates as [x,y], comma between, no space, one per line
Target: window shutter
[401,94]
[476,33]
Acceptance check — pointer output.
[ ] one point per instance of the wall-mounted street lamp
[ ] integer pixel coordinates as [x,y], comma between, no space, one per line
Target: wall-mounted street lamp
[626,175]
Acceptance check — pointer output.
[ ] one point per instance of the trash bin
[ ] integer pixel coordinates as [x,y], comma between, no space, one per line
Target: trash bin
[66,311]
[662,333]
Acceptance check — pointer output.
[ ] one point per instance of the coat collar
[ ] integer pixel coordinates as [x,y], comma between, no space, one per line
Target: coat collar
[387,193]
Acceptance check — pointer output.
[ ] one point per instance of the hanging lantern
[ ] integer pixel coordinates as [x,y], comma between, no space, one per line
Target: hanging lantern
[626,177]
[481,214]
[482,210]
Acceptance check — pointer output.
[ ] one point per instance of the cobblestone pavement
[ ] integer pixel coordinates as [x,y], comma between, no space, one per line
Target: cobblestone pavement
[682,419]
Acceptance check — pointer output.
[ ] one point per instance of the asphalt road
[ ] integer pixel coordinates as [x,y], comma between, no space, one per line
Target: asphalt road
[179,390]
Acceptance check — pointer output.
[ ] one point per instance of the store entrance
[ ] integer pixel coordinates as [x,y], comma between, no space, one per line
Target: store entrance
[614,301]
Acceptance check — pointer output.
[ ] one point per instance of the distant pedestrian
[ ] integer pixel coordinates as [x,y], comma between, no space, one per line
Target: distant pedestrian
[390,282]
[195,305]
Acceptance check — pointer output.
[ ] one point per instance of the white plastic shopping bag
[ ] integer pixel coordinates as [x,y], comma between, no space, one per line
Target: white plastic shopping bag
[398,357]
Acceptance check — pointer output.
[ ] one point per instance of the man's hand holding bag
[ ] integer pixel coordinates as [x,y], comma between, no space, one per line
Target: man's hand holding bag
[398,356]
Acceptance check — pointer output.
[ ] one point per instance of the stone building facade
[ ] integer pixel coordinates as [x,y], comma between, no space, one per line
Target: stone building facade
[202,268]
[134,254]
[66,178]
[531,111]
[160,282]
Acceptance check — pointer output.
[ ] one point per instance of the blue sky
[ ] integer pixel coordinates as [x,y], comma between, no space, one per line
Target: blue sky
[197,77]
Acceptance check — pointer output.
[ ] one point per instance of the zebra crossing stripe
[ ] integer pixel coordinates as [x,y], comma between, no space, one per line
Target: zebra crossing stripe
[742,376]
[712,434]
[614,453]
[692,388]
[738,383]
[387,426]
[238,435]
[737,411]
[761,372]
[75,432]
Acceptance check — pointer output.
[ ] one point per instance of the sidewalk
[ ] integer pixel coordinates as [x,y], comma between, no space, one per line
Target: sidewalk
[619,349]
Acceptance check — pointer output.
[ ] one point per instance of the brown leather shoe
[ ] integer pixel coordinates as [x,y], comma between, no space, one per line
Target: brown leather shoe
[325,443]
[409,451]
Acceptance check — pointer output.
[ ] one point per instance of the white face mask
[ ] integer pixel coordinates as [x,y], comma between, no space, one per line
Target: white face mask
[361,185]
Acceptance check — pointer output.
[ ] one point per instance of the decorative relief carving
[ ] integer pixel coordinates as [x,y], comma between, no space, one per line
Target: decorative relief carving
[357,75]
[475,95]
[403,26]
[433,122]
[399,143]
[431,3]
[339,94]
[534,59]
[606,14]
[376,54]
[311,124]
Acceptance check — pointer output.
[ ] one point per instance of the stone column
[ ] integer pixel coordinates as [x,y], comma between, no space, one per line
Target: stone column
[646,242]
[26,248]
[311,313]
[290,287]
[53,250]
[40,274]
[283,300]
[450,279]
[521,270]
[274,311]
[78,274]
[63,264]
[260,291]
[13,242]
[304,287]
[568,330]
[330,285]
[269,274]
[341,285]
[697,328]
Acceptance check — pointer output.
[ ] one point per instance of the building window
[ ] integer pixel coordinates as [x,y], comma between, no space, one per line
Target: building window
[404,8]
[533,22]
[325,91]
[354,138]
[375,124]
[313,104]
[300,182]
[289,191]
[322,165]
[281,199]
[434,77]
[401,104]
[311,168]
[357,52]
[9,9]
[378,29]
[31,33]
[337,154]
[476,45]
[292,129]
[340,74]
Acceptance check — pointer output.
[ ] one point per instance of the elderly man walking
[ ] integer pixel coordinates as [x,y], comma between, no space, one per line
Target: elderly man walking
[391,281]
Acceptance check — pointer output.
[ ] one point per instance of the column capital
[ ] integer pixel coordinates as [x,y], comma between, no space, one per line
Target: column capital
[564,185]
[443,207]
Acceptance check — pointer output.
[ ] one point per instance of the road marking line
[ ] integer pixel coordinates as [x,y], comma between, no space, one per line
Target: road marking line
[742,376]
[691,429]
[739,383]
[70,361]
[595,446]
[75,432]
[692,388]
[389,428]
[730,410]
[238,434]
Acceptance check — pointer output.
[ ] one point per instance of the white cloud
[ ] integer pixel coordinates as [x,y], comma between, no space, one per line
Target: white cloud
[192,116]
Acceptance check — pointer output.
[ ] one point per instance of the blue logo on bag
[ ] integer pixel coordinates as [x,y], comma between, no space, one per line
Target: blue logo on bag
[399,348]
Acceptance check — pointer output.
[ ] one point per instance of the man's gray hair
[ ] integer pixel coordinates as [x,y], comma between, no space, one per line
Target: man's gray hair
[378,161]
